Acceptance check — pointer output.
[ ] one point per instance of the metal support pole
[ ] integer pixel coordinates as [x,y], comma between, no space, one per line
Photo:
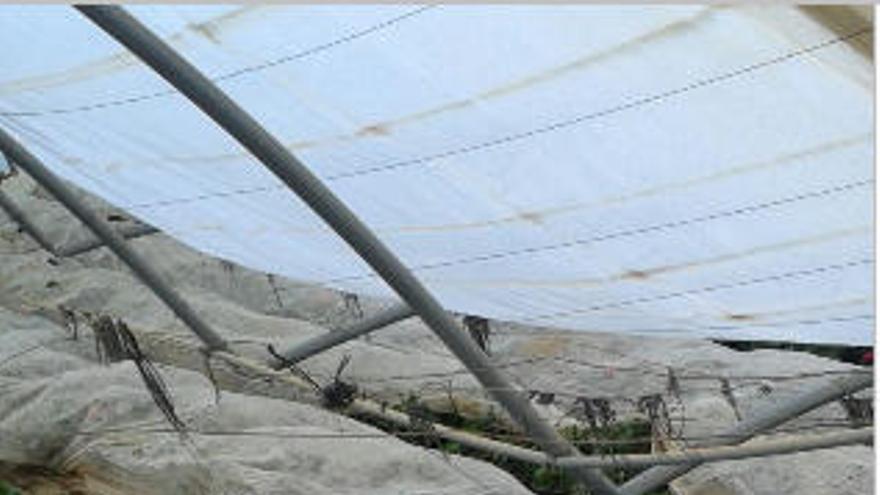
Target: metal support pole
[18,216]
[765,419]
[764,448]
[250,134]
[22,220]
[34,168]
[328,340]
[127,232]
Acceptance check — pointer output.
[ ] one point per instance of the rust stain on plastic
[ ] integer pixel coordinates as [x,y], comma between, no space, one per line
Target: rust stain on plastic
[674,28]
[539,216]
[781,160]
[553,73]
[108,65]
[119,61]
[838,25]
[740,317]
[532,217]
[644,274]
[841,20]
[782,246]
[803,311]
[374,130]
[213,29]
[386,127]
[207,30]
[635,275]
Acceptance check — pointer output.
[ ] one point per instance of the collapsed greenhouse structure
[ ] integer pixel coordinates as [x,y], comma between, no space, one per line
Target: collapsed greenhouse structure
[404,249]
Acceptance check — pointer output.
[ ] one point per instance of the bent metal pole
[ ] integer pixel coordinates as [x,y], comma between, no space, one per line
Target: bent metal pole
[389,316]
[40,174]
[271,153]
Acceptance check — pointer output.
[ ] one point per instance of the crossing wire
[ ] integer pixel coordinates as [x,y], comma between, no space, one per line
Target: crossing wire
[702,290]
[656,228]
[233,74]
[654,98]
[816,425]
[701,83]
[812,425]
[744,325]
[644,368]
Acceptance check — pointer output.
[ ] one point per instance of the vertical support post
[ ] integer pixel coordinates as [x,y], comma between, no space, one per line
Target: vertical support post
[271,153]
[24,222]
[765,419]
[328,340]
[34,168]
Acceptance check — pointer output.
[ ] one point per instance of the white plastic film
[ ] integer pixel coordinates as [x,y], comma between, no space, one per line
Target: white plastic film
[666,170]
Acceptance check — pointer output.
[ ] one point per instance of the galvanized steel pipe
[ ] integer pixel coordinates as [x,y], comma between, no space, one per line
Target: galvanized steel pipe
[40,174]
[271,153]
[329,340]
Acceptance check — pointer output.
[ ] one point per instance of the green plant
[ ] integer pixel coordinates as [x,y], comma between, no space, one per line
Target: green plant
[452,448]
[624,437]
[7,489]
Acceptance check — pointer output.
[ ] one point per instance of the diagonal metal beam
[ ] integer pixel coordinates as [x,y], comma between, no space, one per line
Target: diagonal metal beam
[128,232]
[19,217]
[41,175]
[329,340]
[765,419]
[271,153]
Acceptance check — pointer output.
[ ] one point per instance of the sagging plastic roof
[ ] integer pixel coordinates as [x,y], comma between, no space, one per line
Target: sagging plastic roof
[666,170]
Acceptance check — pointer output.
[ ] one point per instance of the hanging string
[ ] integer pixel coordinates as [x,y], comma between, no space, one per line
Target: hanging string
[859,411]
[352,304]
[115,342]
[479,330]
[71,322]
[339,394]
[271,279]
[727,393]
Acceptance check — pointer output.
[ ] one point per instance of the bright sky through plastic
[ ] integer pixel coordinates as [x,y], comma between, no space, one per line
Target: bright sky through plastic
[670,170]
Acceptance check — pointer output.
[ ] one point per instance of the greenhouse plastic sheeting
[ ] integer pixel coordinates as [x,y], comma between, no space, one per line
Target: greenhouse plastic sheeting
[669,170]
